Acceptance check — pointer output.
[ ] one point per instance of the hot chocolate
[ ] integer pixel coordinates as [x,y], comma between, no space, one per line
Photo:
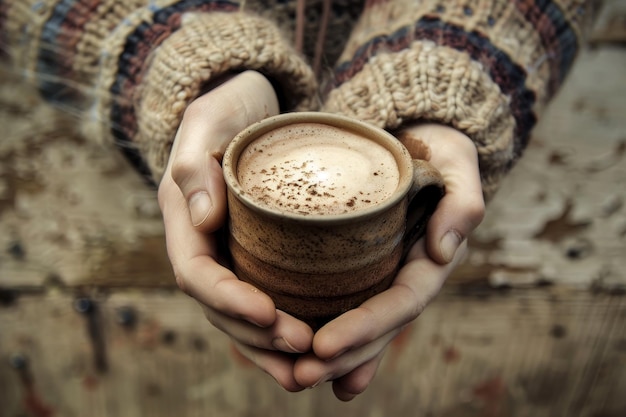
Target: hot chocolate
[316,169]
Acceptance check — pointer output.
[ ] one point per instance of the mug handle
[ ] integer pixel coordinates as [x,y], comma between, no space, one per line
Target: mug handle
[425,193]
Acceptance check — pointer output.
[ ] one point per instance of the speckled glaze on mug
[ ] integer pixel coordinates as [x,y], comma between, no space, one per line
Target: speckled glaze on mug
[317,266]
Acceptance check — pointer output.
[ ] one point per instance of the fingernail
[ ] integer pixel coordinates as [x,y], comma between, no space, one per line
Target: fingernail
[283,345]
[320,381]
[200,206]
[449,244]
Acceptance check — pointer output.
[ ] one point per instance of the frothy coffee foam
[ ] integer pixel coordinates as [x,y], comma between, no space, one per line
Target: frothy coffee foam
[316,169]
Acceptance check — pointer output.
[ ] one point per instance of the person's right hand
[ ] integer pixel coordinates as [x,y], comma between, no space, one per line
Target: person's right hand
[192,197]
[349,349]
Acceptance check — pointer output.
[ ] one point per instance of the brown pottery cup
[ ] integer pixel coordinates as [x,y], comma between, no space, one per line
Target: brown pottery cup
[322,210]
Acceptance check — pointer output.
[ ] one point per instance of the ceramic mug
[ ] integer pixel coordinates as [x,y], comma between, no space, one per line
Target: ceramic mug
[322,210]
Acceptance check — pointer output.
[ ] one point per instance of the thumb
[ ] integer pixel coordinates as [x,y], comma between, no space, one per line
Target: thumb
[462,208]
[201,181]
[209,124]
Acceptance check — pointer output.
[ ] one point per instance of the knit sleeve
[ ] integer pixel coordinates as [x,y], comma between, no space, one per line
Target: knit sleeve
[131,67]
[487,68]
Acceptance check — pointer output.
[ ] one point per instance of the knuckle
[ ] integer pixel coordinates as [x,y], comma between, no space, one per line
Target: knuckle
[215,106]
[364,314]
[163,193]
[415,310]
[464,143]
[195,109]
[184,166]
[180,282]
[418,309]
[475,211]
[412,304]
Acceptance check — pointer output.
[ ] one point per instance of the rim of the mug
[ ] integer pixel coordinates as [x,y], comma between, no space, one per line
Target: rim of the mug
[256,130]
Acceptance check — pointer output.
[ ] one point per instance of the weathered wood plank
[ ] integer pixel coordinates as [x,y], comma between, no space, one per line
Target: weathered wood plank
[560,216]
[518,353]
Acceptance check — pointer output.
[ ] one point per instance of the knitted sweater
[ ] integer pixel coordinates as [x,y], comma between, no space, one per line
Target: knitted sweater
[487,68]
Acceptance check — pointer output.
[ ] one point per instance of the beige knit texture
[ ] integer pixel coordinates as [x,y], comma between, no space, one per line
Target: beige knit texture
[98,31]
[435,83]
[429,82]
[424,82]
[205,47]
[24,24]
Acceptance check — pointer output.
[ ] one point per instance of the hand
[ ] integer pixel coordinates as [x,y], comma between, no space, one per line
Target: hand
[192,197]
[349,349]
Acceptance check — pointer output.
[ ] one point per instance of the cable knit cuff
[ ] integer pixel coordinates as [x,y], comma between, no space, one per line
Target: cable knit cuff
[485,68]
[150,90]
[431,83]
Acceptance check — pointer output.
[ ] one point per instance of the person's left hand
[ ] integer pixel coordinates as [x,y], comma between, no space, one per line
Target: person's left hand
[349,349]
